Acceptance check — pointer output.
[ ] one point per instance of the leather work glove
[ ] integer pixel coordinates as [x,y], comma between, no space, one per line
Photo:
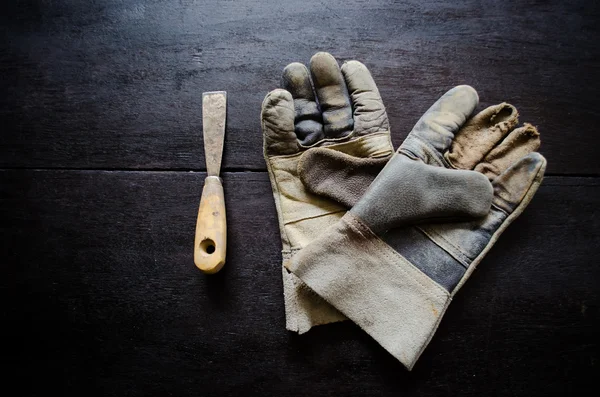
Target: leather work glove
[340,112]
[397,282]
[315,109]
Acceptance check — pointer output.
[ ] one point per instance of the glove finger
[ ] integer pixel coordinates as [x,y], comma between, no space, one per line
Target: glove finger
[308,121]
[516,145]
[480,134]
[369,112]
[332,94]
[519,182]
[438,125]
[277,117]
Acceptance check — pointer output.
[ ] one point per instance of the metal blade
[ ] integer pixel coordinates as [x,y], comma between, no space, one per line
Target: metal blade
[214,112]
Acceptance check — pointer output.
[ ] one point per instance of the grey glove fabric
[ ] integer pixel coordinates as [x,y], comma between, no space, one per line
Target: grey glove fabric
[397,282]
[340,112]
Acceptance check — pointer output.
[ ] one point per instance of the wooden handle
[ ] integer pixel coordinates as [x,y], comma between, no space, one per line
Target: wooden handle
[211,229]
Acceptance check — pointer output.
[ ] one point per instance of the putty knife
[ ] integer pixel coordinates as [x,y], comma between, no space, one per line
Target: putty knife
[211,229]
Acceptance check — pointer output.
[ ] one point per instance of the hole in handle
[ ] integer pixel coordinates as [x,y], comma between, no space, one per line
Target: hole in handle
[208,246]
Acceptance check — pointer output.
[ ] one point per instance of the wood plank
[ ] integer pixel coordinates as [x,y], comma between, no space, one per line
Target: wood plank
[117,84]
[101,296]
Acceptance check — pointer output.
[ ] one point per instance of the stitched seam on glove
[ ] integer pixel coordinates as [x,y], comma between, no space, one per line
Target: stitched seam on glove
[292,221]
[459,254]
[433,153]
[277,198]
[391,254]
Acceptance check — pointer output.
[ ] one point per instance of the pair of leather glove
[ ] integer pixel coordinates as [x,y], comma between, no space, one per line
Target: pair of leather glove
[387,238]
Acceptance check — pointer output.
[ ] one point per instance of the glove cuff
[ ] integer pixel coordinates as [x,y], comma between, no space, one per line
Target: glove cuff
[374,286]
[303,308]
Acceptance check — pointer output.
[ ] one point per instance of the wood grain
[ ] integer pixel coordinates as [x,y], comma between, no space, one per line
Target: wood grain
[101,120]
[117,84]
[101,296]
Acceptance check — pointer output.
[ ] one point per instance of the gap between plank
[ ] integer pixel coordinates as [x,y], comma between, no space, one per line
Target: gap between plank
[226,170]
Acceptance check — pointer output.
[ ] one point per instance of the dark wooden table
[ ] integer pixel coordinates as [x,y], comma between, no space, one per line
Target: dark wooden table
[102,165]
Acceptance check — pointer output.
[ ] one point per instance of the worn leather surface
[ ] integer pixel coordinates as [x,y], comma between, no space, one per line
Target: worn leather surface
[378,289]
[357,284]
[409,191]
[338,176]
